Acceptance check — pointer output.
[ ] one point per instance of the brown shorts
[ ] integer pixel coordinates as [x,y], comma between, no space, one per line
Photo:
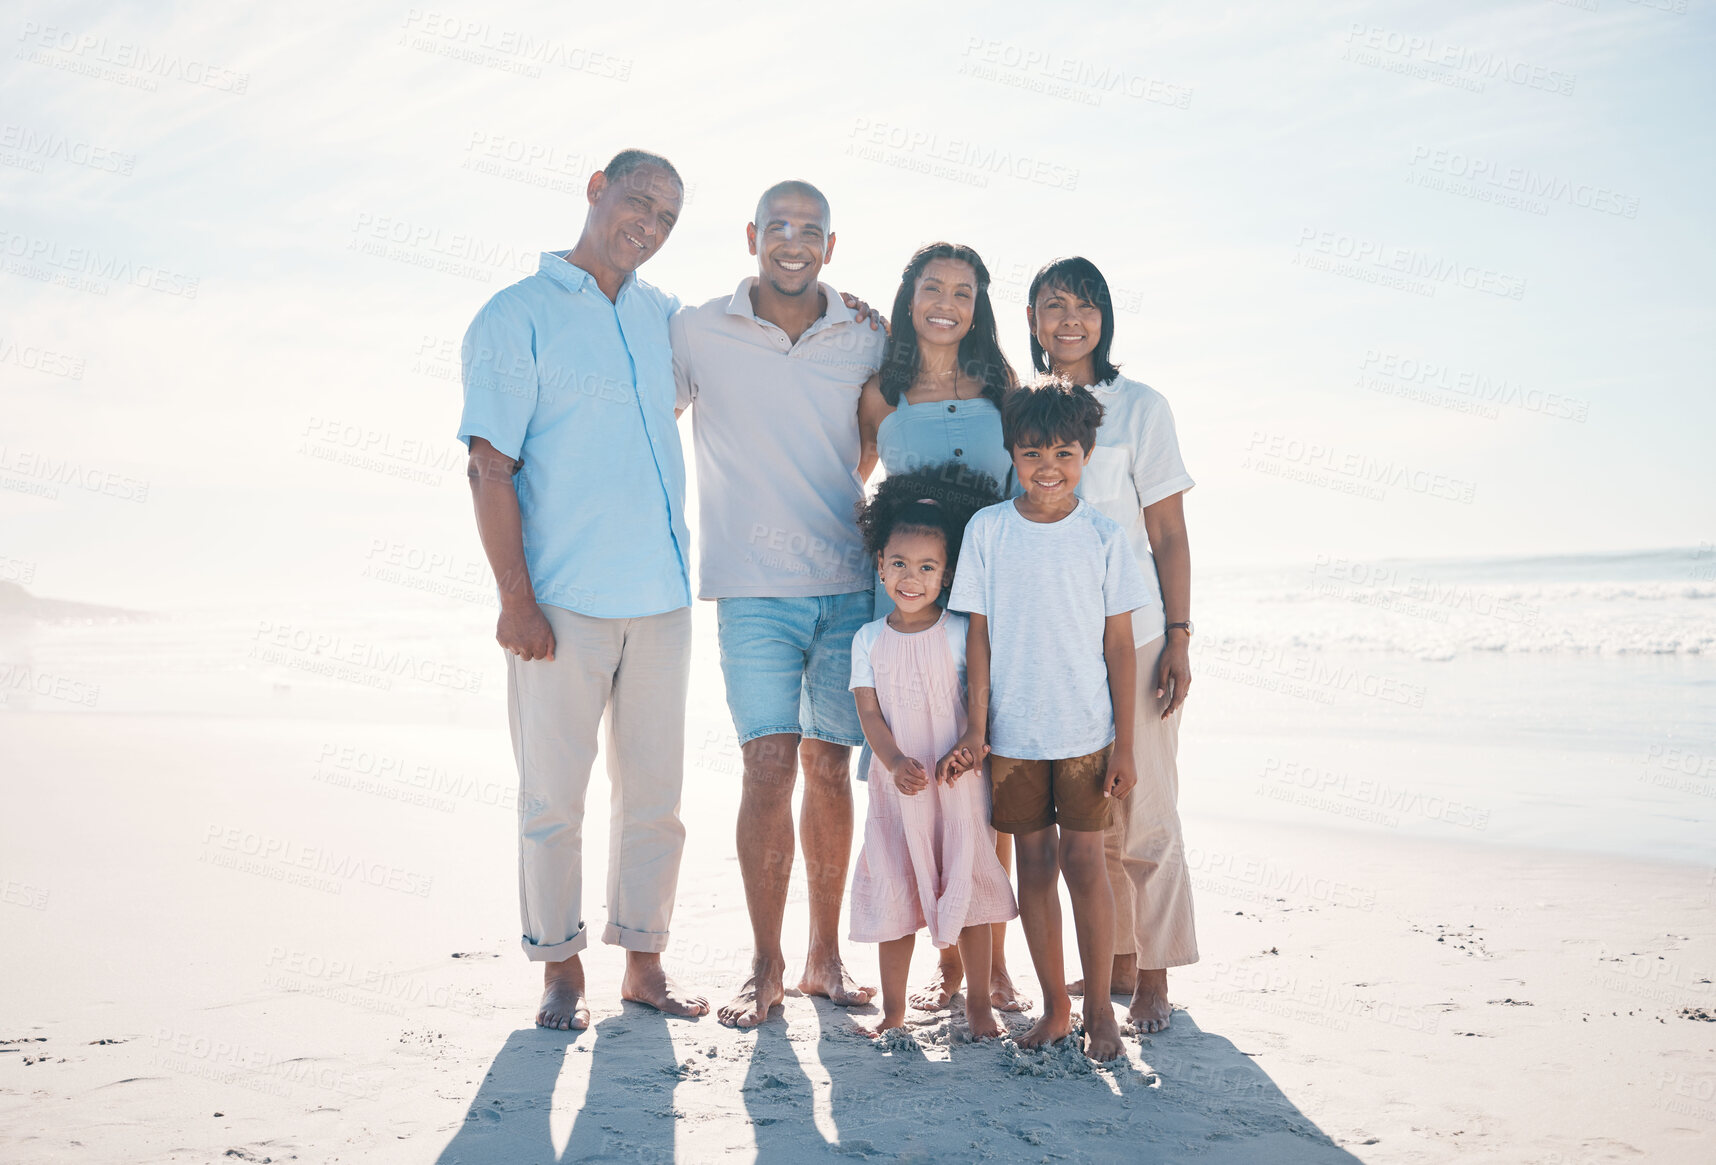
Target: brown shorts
[1034,794]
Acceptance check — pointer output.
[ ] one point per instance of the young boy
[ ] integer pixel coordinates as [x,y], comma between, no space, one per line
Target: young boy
[1050,585]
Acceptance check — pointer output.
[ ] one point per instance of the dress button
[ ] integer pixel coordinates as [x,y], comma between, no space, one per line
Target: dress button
[959,453]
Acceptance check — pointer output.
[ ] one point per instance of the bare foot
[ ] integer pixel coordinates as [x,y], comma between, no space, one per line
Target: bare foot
[645,982]
[943,986]
[1102,1041]
[1125,970]
[827,977]
[984,1025]
[1055,1024]
[1150,1010]
[1003,995]
[563,996]
[885,1024]
[761,994]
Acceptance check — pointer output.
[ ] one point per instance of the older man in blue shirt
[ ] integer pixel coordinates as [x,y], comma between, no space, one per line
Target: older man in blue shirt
[579,484]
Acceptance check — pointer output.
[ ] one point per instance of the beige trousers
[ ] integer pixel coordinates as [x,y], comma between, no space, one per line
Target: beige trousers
[1146,855]
[636,671]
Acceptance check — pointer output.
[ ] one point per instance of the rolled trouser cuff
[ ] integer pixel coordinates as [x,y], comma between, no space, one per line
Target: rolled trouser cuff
[650,941]
[555,952]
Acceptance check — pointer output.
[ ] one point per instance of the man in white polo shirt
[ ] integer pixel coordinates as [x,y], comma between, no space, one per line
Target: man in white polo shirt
[774,371]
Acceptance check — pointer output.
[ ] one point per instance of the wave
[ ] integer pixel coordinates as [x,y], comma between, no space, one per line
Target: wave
[18,605]
[1644,603]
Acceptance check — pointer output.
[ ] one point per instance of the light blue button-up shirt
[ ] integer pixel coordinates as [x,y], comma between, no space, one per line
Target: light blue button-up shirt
[580,390]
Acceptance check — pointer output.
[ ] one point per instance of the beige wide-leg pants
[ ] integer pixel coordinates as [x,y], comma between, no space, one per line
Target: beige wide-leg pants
[635,670]
[1146,855]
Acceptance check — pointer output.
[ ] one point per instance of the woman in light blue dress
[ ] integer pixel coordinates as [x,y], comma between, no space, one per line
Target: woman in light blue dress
[937,398]
[937,402]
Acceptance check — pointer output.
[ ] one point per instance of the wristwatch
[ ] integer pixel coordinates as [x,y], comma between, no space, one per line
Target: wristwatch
[1187,625]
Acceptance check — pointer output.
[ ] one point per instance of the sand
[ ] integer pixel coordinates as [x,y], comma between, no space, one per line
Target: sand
[278,939]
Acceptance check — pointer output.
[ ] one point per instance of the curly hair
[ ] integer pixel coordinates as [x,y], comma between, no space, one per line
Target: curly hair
[980,355]
[937,499]
[1049,411]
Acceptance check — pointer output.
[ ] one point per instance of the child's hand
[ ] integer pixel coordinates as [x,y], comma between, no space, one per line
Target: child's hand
[909,776]
[968,760]
[964,756]
[1122,774]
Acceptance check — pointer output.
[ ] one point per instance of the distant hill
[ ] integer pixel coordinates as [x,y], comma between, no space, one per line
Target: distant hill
[18,605]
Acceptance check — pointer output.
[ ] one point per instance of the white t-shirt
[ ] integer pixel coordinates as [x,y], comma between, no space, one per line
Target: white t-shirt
[775,424]
[863,643]
[1047,589]
[1136,463]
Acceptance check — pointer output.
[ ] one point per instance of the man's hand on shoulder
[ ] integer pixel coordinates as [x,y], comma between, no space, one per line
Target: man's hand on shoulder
[865,312]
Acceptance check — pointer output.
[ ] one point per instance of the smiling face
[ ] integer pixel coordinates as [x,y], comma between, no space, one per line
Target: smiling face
[1050,473]
[631,216]
[1069,328]
[912,565]
[943,301]
[791,241]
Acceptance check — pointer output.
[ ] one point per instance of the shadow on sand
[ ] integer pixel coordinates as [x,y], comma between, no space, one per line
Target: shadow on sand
[1199,1098]
[627,1110]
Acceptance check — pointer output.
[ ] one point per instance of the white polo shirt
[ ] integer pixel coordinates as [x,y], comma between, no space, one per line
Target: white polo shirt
[775,425]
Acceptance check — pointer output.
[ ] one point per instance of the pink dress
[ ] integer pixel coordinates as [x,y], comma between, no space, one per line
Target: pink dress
[928,859]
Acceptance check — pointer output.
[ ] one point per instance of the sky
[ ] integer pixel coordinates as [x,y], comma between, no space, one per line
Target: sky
[1419,280]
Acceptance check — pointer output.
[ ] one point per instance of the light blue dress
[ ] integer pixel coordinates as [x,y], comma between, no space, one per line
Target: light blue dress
[932,433]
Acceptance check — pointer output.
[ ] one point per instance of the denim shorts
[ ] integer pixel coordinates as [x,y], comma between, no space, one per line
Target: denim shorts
[788,661]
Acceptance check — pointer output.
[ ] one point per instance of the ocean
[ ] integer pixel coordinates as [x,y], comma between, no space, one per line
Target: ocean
[1559,702]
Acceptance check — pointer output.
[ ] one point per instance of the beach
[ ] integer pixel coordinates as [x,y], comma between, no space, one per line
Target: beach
[1419,286]
[260,893]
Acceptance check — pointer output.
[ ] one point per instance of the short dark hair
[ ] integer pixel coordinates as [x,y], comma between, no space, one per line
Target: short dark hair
[937,499]
[626,161]
[1077,276]
[1051,411]
[794,186]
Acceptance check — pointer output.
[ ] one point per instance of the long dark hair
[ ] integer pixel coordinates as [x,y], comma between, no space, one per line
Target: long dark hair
[979,352]
[1078,276]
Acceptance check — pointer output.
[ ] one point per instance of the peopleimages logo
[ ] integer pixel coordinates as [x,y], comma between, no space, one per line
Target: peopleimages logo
[1484,178]
[506,49]
[39,359]
[1357,466]
[956,159]
[334,868]
[31,471]
[40,258]
[1396,371]
[1056,75]
[37,146]
[1461,62]
[120,61]
[419,244]
[1377,261]
[360,661]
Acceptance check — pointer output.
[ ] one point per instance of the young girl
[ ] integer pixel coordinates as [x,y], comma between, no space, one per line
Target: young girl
[1135,477]
[929,852]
